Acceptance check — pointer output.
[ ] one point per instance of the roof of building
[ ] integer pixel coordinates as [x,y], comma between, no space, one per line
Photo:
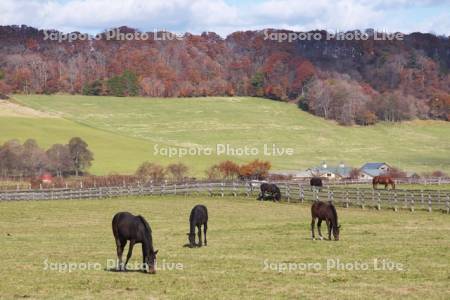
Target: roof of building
[373,165]
[372,172]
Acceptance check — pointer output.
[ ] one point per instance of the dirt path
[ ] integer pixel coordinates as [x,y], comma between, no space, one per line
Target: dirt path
[9,109]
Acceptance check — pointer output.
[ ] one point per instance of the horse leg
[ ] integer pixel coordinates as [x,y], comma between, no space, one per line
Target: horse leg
[120,247]
[130,251]
[319,223]
[199,227]
[329,229]
[205,228]
[313,223]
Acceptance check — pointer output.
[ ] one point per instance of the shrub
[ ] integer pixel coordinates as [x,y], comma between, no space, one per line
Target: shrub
[151,172]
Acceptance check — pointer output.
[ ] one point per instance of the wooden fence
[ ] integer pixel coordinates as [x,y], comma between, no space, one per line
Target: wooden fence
[430,200]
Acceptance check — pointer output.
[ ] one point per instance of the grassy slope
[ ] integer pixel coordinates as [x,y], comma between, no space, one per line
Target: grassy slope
[108,148]
[417,145]
[242,234]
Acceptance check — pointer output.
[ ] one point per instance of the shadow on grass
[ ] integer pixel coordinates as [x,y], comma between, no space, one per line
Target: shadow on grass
[114,270]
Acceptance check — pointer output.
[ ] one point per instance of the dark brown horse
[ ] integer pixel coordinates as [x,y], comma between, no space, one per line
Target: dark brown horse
[127,227]
[386,180]
[325,211]
[316,181]
[269,191]
[198,217]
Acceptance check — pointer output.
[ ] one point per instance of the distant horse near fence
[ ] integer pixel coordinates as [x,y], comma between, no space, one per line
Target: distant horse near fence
[386,180]
[316,181]
[270,190]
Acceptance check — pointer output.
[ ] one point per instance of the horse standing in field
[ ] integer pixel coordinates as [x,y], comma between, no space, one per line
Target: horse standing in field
[198,217]
[316,181]
[386,180]
[325,211]
[127,227]
[272,190]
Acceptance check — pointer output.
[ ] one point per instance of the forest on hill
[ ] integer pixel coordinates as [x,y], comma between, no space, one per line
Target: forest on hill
[350,81]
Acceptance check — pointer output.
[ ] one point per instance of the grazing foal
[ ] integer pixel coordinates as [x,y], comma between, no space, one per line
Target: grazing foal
[325,211]
[127,227]
[198,217]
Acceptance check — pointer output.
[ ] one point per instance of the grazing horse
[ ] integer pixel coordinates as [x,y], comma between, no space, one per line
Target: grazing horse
[325,211]
[272,190]
[386,180]
[127,227]
[316,181]
[198,217]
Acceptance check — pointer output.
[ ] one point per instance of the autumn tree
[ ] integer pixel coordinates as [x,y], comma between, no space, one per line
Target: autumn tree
[255,170]
[228,169]
[151,172]
[177,171]
[60,160]
[34,159]
[81,156]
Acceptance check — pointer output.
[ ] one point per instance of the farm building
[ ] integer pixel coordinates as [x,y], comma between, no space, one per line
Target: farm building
[370,170]
[339,172]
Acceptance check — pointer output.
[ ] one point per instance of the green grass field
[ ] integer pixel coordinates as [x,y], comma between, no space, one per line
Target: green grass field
[244,237]
[122,132]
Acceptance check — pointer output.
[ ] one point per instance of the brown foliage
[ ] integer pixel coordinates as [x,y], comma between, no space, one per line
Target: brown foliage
[177,171]
[148,171]
[396,173]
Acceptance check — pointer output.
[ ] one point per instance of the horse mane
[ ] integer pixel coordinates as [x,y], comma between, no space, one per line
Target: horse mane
[149,231]
[147,227]
[334,212]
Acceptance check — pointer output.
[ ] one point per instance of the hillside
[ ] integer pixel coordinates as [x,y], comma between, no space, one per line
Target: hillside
[351,81]
[122,132]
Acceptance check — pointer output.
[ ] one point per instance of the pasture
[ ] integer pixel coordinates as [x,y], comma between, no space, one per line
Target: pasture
[122,132]
[249,242]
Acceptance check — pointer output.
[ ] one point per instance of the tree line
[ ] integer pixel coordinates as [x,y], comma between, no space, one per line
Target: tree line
[227,170]
[30,160]
[352,82]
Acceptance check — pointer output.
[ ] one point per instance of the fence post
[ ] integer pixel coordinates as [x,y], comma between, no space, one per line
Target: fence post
[447,204]
[421,197]
[379,201]
[221,188]
[412,202]
[363,201]
[395,201]
[234,189]
[429,202]
[405,194]
[210,189]
[346,199]
[357,196]
[288,192]
[302,193]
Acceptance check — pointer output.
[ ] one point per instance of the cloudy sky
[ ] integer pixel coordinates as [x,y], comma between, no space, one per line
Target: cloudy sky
[226,16]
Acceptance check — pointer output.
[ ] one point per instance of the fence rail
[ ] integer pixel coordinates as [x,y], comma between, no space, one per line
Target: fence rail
[430,200]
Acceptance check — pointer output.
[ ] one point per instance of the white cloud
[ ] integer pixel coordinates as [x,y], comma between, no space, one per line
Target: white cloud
[220,16]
